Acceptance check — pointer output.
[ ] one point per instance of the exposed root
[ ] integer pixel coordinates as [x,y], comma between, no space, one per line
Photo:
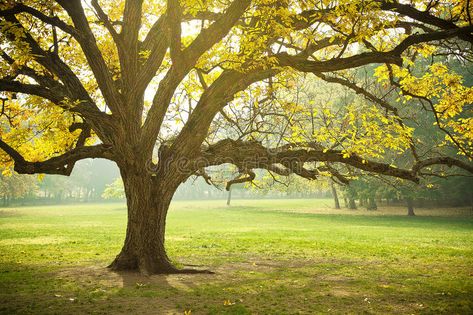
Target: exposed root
[121,264]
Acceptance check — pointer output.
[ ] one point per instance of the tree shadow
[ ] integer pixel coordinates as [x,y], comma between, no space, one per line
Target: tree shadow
[10,213]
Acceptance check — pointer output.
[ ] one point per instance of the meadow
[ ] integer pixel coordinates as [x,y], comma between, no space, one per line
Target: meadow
[268,257]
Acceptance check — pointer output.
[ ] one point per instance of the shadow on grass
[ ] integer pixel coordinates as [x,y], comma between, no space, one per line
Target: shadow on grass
[10,214]
[251,287]
[463,222]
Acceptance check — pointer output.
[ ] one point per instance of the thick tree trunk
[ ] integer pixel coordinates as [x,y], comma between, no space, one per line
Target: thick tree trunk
[410,207]
[148,199]
[335,195]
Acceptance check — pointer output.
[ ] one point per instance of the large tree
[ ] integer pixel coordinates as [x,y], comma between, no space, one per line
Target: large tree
[151,85]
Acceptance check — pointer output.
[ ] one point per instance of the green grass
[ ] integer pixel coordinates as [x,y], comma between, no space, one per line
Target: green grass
[269,257]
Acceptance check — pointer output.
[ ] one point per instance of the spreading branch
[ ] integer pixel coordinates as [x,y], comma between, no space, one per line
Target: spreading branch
[253,155]
[61,165]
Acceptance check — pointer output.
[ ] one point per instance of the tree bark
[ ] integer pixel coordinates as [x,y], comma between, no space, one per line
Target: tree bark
[410,207]
[351,203]
[371,205]
[335,195]
[148,199]
[362,202]
[229,198]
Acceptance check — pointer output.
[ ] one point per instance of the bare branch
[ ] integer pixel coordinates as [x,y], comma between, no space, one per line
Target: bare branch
[250,176]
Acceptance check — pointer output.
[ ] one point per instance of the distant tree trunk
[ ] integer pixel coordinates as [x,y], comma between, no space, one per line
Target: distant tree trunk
[229,196]
[362,202]
[471,201]
[335,195]
[371,204]
[410,207]
[351,203]
[345,201]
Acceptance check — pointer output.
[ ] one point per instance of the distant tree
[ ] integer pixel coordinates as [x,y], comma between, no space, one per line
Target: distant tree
[350,195]
[335,195]
[115,190]
[16,186]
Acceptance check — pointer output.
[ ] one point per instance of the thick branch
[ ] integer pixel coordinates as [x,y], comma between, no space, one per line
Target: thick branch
[156,42]
[251,155]
[91,51]
[422,16]
[214,33]
[51,62]
[62,164]
[391,57]
[131,28]
[302,64]
[55,96]
[55,21]
[212,101]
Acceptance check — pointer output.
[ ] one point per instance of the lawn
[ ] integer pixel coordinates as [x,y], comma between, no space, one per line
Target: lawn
[269,257]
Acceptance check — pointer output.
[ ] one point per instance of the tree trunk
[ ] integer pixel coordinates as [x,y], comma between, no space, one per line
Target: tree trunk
[148,200]
[410,207]
[335,195]
[229,198]
[362,202]
[371,205]
[351,203]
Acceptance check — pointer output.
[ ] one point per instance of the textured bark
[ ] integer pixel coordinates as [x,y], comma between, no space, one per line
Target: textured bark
[148,201]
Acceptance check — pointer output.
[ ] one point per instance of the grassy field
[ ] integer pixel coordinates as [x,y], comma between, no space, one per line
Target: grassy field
[269,257]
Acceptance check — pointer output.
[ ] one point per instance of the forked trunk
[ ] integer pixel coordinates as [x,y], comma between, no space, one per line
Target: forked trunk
[148,200]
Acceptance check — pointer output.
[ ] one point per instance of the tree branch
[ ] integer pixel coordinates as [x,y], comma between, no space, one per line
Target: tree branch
[422,16]
[253,155]
[93,54]
[250,176]
[62,164]
[55,21]
[390,57]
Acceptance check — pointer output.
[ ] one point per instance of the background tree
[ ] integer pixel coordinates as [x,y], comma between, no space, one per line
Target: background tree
[150,85]
[14,186]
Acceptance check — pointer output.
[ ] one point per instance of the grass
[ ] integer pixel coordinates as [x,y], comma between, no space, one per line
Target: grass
[270,257]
